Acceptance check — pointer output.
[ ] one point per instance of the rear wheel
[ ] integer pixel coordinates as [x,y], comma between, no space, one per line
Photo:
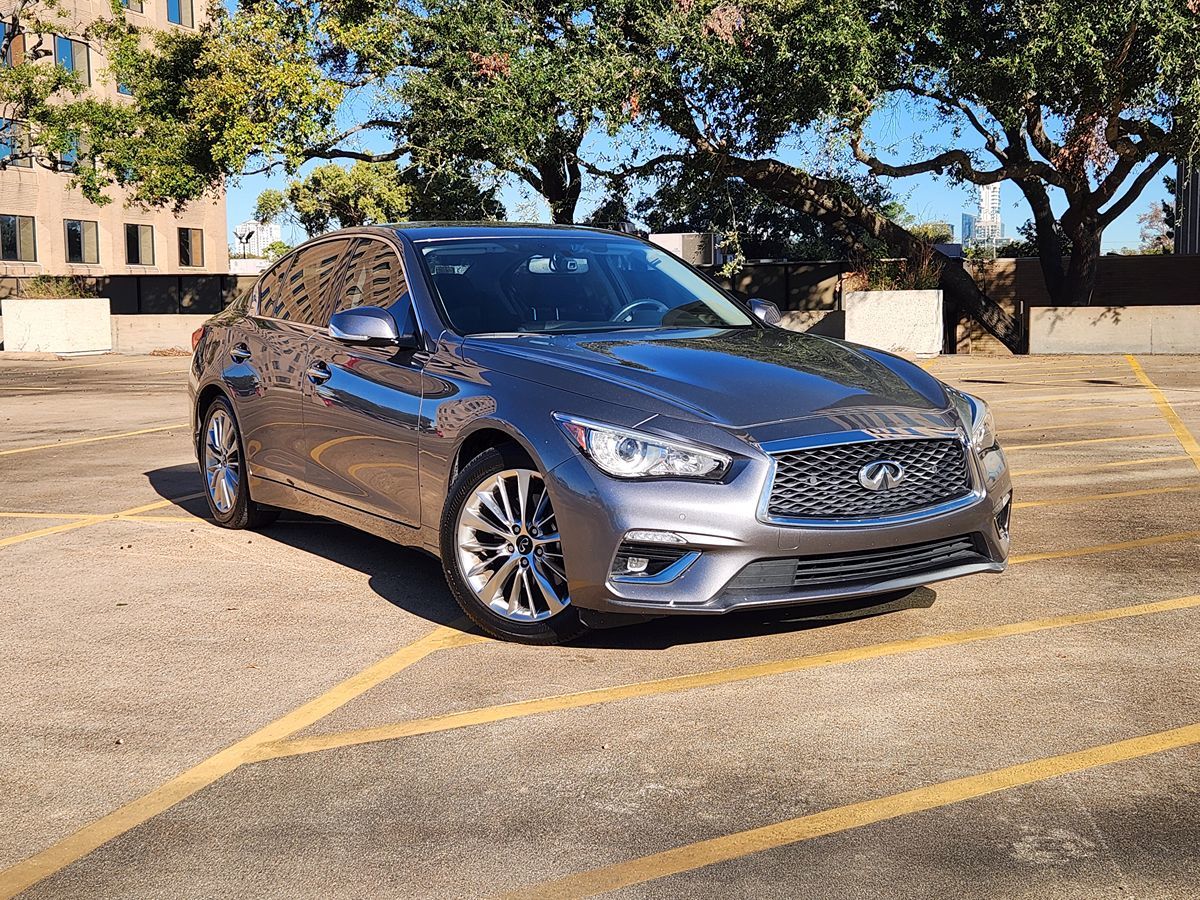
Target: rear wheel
[502,554]
[226,484]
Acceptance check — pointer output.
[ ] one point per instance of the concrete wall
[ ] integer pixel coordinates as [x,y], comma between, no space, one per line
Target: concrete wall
[906,322]
[67,325]
[131,294]
[145,334]
[1114,329]
[789,285]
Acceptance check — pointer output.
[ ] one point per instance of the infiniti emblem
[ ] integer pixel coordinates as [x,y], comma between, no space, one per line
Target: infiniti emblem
[881,475]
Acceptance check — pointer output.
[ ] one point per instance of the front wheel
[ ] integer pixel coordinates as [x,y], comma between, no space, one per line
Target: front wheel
[501,551]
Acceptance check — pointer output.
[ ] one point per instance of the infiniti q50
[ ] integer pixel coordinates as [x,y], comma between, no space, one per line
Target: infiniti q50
[584,429]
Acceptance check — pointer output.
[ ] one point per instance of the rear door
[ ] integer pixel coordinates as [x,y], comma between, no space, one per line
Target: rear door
[362,408]
[266,358]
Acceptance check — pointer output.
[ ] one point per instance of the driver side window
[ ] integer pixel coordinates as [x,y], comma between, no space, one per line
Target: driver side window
[375,277]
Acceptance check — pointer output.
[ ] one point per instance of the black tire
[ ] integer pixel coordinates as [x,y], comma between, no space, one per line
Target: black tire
[560,627]
[244,512]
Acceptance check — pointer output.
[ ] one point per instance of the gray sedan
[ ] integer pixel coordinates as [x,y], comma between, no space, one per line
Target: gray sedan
[586,430]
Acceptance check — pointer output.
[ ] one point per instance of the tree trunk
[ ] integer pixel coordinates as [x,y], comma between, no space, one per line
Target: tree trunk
[562,183]
[829,202]
[1079,283]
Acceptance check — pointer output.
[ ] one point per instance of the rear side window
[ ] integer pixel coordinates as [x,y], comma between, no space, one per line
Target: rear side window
[303,291]
[374,277]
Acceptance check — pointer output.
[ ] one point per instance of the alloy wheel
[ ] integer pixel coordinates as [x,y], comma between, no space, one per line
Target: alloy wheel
[222,461]
[508,547]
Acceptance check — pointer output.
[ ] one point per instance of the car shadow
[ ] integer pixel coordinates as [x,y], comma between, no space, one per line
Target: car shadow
[412,580]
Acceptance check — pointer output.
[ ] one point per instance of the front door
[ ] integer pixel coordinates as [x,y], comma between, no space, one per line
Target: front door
[362,405]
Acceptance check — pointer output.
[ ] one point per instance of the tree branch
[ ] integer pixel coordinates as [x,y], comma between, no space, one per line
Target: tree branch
[1135,189]
[958,160]
[990,139]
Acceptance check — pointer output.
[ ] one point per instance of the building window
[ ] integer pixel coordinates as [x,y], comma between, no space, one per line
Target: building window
[122,89]
[83,242]
[191,247]
[180,13]
[139,245]
[14,145]
[133,5]
[17,240]
[73,56]
[12,44]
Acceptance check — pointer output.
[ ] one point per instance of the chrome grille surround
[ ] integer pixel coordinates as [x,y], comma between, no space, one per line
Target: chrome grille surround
[815,481]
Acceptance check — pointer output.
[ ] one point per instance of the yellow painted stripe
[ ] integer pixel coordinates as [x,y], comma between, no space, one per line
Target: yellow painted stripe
[1096,498]
[92,440]
[856,815]
[91,520]
[1106,548]
[1149,460]
[524,708]
[1093,423]
[1104,440]
[1160,399]
[87,839]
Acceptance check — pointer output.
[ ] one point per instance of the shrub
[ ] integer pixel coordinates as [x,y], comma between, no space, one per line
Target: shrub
[54,287]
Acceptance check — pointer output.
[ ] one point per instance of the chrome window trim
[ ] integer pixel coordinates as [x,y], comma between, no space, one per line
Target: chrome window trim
[915,433]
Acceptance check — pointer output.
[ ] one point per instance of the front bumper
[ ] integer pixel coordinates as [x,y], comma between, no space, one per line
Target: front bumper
[724,524]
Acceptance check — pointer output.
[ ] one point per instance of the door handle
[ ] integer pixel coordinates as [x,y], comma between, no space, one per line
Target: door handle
[318,373]
[240,353]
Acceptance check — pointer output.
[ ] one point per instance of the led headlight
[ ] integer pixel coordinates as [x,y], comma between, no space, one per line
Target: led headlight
[976,415]
[625,453]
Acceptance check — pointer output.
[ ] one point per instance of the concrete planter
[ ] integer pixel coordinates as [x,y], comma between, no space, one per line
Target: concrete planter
[68,326]
[904,322]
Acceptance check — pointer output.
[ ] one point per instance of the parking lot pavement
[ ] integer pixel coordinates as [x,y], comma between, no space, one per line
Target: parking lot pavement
[299,712]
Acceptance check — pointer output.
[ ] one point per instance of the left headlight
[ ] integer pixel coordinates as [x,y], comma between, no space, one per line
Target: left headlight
[976,415]
[625,453]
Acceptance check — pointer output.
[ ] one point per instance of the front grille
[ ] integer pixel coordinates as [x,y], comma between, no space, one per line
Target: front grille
[822,482]
[775,576]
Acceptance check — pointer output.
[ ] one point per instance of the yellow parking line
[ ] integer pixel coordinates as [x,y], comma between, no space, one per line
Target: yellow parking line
[1103,440]
[1094,423]
[524,708]
[32,870]
[856,815]
[1105,548]
[1164,406]
[91,520]
[92,440]
[1108,465]
[1093,498]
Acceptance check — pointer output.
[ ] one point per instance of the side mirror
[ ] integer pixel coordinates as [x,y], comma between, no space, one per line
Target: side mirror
[369,326]
[766,310]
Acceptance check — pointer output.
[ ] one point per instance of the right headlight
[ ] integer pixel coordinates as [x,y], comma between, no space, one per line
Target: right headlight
[977,418]
[625,453]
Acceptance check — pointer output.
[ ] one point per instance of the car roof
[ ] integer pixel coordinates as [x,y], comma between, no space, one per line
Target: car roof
[432,231]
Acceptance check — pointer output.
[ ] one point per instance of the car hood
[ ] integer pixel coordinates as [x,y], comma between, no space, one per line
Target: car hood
[738,378]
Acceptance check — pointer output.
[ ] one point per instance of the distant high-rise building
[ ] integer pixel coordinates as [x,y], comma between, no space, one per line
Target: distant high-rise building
[253,238]
[968,228]
[1187,209]
[989,228]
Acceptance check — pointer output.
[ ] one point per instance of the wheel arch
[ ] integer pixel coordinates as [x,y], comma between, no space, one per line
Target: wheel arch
[487,436]
[204,399]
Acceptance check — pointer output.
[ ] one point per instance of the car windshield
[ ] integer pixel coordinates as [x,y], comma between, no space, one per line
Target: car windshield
[571,283]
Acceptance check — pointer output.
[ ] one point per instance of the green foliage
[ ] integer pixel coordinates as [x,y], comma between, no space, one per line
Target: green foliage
[336,196]
[56,287]
[271,206]
[276,249]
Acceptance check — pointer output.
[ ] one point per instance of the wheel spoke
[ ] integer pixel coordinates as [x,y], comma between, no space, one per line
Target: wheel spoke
[554,567]
[549,594]
[482,566]
[476,521]
[508,513]
[522,496]
[488,501]
[494,585]
[514,594]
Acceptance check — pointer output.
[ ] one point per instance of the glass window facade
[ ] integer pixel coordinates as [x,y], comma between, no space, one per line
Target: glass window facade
[83,241]
[18,242]
[179,12]
[73,56]
[139,245]
[191,247]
